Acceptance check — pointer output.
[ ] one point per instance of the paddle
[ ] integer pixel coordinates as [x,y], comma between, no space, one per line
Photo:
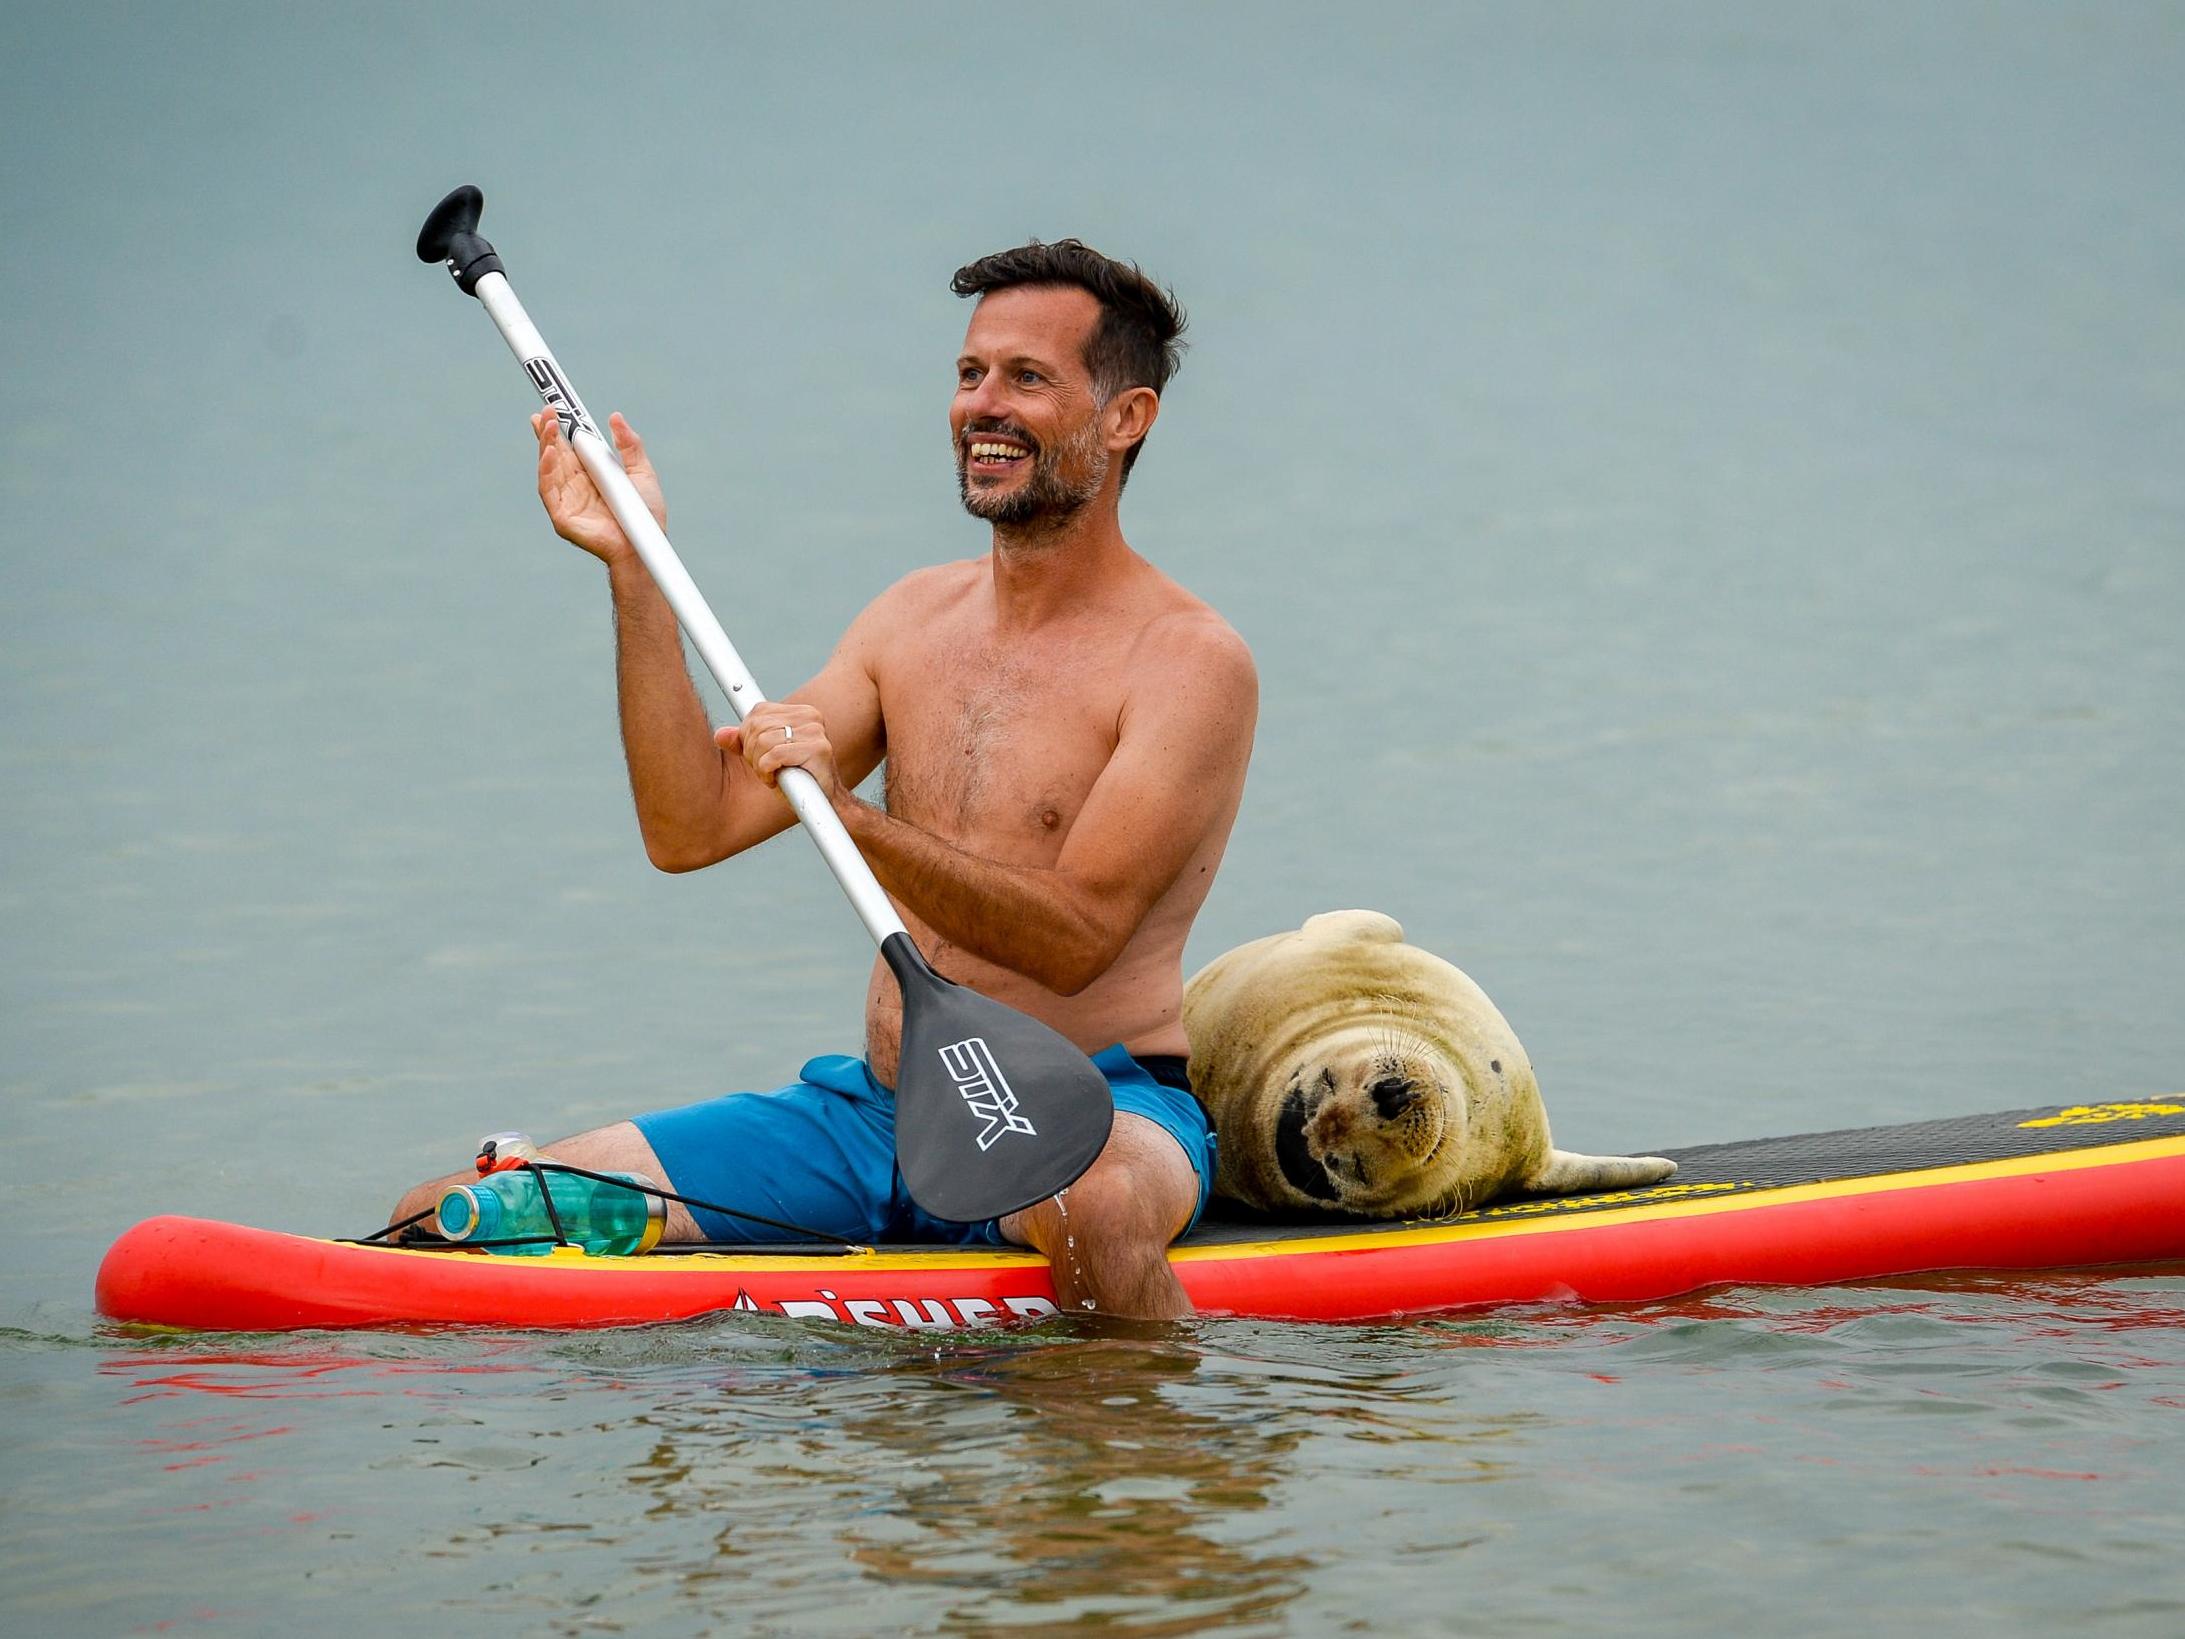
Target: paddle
[993,1110]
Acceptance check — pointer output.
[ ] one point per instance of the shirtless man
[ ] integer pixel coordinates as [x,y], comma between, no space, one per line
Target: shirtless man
[1066,732]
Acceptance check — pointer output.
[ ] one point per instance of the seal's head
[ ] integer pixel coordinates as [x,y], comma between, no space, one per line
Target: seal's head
[1368,1119]
[1351,1072]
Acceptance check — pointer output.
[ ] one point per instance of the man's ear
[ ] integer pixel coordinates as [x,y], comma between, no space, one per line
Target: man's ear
[1130,415]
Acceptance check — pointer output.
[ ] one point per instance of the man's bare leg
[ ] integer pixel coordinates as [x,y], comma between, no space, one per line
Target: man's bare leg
[619,1148]
[1133,1201]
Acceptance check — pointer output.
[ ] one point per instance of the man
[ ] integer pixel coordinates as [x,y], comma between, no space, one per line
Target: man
[1066,732]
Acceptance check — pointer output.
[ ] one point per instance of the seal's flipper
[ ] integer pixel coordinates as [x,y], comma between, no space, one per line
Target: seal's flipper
[1567,1173]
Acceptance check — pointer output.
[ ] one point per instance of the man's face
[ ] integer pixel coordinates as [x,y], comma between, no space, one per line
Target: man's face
[1025,422]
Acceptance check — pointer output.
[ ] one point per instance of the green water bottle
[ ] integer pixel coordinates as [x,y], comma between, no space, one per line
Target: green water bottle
[606,1219]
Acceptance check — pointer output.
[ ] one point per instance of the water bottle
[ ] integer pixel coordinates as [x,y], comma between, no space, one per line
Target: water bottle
[606,1219]
[497,1152]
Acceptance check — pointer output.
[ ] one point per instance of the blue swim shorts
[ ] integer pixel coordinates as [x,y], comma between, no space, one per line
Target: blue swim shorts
[820,1153]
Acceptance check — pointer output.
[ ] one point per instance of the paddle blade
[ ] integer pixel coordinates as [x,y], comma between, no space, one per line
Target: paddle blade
[993,1110]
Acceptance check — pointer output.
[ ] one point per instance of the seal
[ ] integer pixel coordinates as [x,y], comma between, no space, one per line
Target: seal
[1349,1072]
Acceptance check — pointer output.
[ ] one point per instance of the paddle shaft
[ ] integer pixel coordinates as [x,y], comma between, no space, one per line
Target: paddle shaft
[810,803]
[995,1110]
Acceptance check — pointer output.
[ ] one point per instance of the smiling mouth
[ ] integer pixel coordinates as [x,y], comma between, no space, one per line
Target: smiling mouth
[994,454]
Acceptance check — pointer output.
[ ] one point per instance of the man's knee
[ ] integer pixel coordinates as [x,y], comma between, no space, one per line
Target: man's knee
[1135,1198]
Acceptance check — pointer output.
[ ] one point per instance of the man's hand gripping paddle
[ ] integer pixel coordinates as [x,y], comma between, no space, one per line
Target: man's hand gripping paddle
[994,1111]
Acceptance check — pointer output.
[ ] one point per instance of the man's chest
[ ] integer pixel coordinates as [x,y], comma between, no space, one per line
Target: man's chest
[997,743]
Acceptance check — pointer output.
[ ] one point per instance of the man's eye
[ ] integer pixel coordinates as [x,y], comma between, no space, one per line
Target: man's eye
[1028,376]
[967,378]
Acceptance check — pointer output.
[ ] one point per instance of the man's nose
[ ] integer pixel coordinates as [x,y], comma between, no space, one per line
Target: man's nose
[983,401]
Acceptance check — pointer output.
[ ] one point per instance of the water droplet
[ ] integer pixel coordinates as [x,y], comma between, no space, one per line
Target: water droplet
[1069,1248]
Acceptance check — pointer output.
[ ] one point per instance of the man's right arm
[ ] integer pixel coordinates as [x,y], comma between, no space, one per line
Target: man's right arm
[696,804]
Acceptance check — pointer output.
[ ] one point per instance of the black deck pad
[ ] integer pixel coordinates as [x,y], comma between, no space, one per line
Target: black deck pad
[1774,1163]
[1747,1167]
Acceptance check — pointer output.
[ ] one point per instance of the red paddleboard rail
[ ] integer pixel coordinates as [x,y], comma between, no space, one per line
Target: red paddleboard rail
[2117,1204]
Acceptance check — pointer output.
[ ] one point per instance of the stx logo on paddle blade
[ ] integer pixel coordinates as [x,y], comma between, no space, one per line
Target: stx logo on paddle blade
[970,1064]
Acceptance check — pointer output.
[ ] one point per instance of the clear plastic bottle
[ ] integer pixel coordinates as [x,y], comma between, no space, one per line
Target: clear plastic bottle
[605,1219]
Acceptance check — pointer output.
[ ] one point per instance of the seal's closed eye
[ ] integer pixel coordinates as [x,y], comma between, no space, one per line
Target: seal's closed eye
[1304,1173]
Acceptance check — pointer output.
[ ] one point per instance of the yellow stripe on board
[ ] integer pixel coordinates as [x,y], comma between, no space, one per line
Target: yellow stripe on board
[2102,1115]
[1968,1172]
[856,1260]
[861,1260]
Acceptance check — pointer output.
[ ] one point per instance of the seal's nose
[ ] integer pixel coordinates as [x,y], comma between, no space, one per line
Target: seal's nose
[1392,1095]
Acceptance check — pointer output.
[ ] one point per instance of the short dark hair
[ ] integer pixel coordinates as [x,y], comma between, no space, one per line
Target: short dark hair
[1138,341]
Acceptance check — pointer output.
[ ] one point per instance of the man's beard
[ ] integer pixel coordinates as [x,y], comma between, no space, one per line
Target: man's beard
[1048,498]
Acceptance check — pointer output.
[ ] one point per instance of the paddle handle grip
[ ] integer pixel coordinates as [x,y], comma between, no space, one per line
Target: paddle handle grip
[803,792]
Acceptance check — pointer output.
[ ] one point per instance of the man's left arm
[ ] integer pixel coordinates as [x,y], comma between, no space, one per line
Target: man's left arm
[1183,742]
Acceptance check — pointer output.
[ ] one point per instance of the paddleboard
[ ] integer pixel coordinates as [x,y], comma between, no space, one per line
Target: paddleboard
[2064,1186]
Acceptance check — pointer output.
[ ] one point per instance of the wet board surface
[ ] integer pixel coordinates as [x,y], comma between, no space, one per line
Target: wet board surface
[2056,1187]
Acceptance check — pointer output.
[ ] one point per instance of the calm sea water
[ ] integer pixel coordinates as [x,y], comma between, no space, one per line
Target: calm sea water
[1704,487]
